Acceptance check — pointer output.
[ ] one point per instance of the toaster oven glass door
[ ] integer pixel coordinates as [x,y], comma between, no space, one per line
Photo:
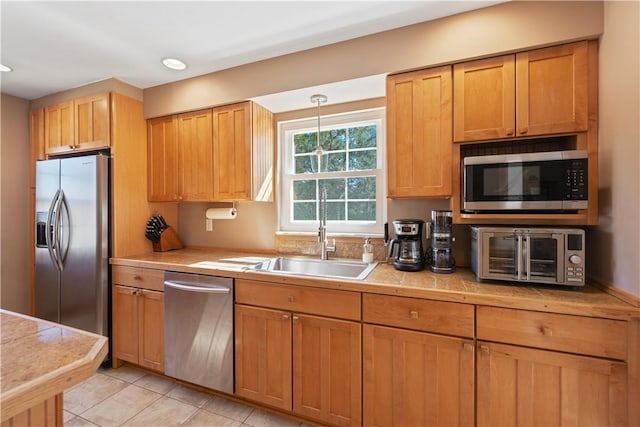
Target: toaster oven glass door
[523,257]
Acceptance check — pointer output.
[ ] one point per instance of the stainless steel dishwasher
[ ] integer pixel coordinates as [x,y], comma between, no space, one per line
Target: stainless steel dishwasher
[199,329]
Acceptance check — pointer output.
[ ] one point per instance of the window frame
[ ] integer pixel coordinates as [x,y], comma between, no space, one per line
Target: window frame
[286,173]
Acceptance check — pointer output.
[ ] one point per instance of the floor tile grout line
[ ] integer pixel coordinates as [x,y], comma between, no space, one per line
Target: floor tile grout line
[173,384]
[96,404]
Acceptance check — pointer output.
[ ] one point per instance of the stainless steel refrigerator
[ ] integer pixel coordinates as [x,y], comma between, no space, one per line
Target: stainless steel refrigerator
[72,242]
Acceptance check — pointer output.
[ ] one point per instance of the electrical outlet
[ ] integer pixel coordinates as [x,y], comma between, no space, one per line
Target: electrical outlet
[209,226]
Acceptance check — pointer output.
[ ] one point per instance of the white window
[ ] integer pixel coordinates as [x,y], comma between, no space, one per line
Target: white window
[351,169]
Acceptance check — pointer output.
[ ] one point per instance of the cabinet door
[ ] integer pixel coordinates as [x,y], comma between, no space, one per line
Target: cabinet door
[417,379]
[151,327]
[162,152]
[263,355]
[125,323]
[552,90]
[36,140]
[327,369]
[92,122]
[232,152]
[522,386]
[419,115]
[484,99]
[59,128]
[196,156]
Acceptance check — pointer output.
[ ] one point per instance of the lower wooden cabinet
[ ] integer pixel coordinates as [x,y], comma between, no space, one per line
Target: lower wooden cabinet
[295,361]
[327,369]
[306,364]
[530,387]
[263,355]
[417,379]
[138,327]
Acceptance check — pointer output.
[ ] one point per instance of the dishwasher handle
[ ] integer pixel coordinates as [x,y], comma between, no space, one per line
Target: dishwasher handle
[213,289]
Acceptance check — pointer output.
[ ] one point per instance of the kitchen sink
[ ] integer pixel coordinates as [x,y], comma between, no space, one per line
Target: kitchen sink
[314,267]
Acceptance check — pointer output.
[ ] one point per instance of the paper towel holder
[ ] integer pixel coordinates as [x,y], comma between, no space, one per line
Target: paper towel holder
[220,213]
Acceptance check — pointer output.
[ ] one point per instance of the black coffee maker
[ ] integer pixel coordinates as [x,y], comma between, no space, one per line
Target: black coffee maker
[407,246]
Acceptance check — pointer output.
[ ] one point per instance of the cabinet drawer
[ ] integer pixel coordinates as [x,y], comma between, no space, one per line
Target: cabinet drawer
[574,334]
[325,302]
[138,277]
[449,318]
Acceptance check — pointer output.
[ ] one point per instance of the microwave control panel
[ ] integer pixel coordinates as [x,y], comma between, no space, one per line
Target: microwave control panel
[576,179]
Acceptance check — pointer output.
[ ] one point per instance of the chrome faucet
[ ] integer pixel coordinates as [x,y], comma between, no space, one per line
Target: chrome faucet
[322,230]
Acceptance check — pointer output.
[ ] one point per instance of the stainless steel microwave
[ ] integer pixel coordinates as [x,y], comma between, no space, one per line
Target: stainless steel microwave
[553,256]
[555,181]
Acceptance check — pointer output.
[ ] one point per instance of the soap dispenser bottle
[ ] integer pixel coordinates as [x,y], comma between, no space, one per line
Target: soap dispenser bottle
[367,251]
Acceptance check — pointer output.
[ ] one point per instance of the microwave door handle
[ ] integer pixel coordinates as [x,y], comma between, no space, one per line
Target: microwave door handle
[561,271]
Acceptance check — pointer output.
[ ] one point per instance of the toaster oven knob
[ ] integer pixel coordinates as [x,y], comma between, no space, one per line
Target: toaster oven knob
[575,259]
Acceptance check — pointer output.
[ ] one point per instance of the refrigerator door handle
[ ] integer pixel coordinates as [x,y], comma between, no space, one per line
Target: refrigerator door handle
[57,226]
[51,230]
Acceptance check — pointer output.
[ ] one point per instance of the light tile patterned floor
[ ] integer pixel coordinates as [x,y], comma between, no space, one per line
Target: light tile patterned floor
[131,397]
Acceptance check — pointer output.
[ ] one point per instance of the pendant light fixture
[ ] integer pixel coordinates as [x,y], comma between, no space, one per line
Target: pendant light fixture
[318,153]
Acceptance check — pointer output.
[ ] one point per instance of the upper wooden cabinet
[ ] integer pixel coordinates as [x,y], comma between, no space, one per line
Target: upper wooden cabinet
[195,156]
[484,99]
[162,156]
[80,124]
[58,128]
[538,92]
[92,118]
[219,154]
[419,116]
[243,137]
[552,90]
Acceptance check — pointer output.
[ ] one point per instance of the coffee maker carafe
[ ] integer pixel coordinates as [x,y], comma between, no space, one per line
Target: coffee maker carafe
[439,255]
[407,246]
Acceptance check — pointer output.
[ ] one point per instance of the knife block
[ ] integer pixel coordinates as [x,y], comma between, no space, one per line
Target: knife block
[169,240]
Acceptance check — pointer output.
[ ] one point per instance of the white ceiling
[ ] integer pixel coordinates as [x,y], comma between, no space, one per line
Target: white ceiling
[57,45]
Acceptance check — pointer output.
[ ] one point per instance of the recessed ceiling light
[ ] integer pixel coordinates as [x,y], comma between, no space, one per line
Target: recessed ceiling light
[5,69]
[174,64]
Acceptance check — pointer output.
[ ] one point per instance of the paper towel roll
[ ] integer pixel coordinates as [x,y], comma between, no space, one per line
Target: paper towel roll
[222,213]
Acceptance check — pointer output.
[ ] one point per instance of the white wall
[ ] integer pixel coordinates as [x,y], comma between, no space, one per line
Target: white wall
[14,204]
[614,245]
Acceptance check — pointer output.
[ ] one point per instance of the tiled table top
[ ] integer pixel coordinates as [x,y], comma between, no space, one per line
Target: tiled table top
[39,359]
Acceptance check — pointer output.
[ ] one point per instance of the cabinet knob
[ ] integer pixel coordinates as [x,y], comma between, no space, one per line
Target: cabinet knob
[291,298]
[546,331]
[285,317]
[484,349]
[523,130]
[413,314]
[71,146]
[467,346]
[509,131]
[137,277]
[296,318]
